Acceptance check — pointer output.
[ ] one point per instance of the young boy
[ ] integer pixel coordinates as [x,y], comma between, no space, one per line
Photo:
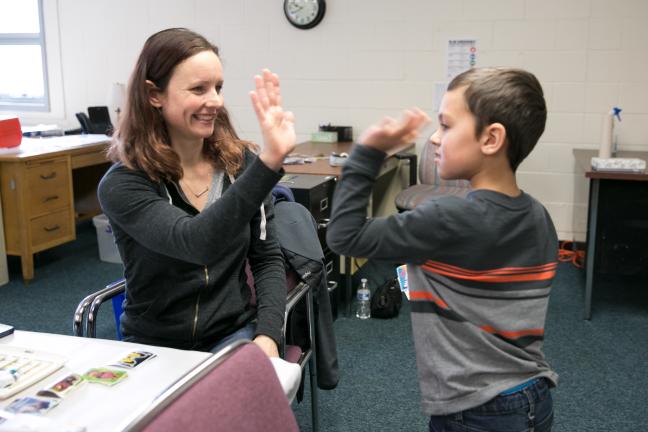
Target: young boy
[480,268]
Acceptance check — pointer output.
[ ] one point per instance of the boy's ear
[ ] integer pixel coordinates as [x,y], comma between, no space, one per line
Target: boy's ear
[154,94]
[494,138]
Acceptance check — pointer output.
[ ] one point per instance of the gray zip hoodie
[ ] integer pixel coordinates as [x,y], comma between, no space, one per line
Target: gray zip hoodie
[185,270]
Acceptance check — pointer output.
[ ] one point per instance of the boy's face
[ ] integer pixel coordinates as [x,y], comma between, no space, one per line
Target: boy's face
[458,154]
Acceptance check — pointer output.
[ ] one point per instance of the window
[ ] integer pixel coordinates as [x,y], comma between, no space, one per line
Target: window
[23,76]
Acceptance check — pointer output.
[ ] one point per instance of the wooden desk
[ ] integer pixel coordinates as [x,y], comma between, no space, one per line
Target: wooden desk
[46,184]
[320,166]
[382,200]
[604,187]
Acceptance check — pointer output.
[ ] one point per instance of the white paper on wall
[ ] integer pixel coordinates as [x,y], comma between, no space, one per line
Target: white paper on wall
[462,55]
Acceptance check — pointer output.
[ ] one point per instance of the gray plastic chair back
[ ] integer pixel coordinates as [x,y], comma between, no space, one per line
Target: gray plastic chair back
[431,185]
[428,173]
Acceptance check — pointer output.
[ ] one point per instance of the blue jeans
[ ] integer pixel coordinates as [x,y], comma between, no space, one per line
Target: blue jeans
[528,410]
[245,332]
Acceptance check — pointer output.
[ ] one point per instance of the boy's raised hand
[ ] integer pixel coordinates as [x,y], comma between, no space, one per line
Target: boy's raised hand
[277,125]
[391,134]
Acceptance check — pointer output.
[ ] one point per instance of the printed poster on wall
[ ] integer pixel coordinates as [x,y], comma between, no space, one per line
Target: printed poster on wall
[462,55]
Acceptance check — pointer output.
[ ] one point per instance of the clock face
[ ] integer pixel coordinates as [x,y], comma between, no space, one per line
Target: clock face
[304,14]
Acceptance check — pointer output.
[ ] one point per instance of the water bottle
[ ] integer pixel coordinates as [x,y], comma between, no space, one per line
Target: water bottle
[363,311]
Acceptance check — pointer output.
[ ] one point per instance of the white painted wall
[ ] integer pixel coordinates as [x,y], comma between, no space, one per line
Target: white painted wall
[373,57]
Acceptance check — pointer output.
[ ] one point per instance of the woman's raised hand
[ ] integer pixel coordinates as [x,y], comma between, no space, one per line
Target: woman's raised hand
[277,125]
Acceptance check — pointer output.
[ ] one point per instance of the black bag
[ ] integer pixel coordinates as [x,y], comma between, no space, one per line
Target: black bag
[387,300]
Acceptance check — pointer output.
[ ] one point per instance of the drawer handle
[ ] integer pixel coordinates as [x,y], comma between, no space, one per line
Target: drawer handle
[328,267]
[49,176]
[324,204]
[323,224]
[53,228]
[50,198]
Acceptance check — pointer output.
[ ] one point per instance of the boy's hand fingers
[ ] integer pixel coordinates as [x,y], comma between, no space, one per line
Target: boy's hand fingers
[407,123]
[413,120]
[390,133]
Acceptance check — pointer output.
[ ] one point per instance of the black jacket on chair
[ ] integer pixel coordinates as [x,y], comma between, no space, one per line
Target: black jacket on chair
[296,230]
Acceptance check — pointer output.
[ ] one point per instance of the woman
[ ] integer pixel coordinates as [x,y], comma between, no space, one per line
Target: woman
[188,202]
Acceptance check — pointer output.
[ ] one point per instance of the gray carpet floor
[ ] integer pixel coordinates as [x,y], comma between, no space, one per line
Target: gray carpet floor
[602,363]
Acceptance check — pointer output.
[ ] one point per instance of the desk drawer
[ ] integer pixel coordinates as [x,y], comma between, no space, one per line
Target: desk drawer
[51,228]
[314,192]
[48,187]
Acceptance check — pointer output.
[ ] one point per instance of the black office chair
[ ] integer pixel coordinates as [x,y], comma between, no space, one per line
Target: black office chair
[431,185]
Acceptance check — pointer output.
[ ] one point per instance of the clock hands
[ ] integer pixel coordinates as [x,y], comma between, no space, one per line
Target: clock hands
[295,6]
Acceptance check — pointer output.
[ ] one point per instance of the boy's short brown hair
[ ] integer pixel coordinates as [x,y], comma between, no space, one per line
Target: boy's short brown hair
[512,97]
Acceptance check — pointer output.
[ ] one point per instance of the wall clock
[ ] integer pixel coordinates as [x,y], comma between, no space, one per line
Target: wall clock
[304,14]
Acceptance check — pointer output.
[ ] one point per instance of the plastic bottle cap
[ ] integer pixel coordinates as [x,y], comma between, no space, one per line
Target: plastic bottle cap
[616,111]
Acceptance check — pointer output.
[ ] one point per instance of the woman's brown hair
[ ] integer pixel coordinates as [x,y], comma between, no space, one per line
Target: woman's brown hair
[142,141]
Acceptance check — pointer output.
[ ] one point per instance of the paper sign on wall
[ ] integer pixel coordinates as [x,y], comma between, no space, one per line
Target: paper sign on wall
[462,55]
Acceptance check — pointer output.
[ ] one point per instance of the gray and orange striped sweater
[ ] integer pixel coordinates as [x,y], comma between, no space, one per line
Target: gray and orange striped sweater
[480,272]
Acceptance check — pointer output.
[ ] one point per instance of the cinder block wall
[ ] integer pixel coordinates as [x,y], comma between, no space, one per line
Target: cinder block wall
[373,57]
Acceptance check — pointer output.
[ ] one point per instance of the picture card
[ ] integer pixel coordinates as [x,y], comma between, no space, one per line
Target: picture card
[31,405]
[62,387]
[134,359]
[105,376]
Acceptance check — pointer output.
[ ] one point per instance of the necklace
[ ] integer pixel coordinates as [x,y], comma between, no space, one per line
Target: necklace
[199,194]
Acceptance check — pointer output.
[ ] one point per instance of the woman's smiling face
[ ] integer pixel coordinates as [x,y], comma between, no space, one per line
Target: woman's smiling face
[192,99]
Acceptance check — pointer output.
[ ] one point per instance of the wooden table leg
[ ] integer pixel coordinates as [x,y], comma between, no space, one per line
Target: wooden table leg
[27,264]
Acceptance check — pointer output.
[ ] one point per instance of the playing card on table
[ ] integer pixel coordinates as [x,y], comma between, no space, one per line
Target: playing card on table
[134,359]
[31,405]
[105,376]
[62,387]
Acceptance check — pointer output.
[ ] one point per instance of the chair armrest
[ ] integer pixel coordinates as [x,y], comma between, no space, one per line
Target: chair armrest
[96,300]
[413,164]
[296,294]
[301,291]
[78,323]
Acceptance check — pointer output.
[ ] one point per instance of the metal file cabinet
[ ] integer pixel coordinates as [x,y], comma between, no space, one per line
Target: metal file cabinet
[315,192]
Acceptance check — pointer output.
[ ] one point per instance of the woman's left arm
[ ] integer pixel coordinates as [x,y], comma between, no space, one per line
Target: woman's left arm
[268,268]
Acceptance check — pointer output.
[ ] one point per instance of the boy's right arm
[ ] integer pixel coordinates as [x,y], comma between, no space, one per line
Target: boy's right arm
[350,233]
[405,236]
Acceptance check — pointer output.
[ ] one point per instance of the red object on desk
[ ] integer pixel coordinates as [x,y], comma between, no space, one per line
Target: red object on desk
[10,132]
